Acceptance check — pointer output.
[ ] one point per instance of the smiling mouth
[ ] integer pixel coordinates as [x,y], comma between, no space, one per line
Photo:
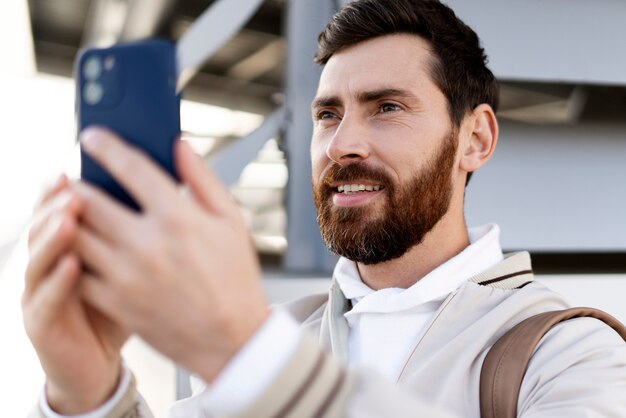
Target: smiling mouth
[358,188]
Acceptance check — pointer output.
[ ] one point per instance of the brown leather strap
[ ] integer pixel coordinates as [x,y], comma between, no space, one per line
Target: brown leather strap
[505,365]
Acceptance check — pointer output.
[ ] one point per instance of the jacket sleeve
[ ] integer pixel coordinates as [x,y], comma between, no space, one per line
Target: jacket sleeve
[578,370]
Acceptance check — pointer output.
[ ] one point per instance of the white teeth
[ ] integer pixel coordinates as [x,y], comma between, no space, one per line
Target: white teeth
[351,188]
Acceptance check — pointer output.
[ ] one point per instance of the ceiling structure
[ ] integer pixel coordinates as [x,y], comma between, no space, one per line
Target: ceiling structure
[245,74]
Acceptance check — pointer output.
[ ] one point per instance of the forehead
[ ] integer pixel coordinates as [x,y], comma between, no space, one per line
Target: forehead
[400,60]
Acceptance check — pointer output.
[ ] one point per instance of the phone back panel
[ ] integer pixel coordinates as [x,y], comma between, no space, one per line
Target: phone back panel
[131,90]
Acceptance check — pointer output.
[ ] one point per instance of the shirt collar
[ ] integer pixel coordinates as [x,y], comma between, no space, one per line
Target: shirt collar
[483,253]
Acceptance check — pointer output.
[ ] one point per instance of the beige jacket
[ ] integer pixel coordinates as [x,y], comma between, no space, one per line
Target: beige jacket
[578,369]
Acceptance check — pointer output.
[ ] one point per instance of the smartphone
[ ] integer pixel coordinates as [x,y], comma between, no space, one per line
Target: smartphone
[131,90]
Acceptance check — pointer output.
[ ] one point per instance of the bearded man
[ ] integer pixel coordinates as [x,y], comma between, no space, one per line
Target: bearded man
[404,113]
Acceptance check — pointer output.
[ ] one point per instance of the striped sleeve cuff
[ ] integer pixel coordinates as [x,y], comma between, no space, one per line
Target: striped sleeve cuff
[123,404]
[245,377]
[312,384]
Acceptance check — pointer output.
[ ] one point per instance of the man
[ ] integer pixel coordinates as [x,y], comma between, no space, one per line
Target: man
[403,115]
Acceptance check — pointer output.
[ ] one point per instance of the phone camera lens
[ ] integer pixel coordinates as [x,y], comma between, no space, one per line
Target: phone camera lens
[92,68]
[92,93]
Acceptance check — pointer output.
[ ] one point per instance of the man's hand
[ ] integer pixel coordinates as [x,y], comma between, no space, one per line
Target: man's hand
[183,273]
[78,347]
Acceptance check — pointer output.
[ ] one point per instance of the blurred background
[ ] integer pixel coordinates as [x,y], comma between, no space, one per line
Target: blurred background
[555,187]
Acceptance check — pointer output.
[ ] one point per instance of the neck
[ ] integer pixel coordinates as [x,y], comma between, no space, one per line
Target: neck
[447,239]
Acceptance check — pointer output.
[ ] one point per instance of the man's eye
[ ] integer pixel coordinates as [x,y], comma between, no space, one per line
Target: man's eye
[325,114]
[388,107]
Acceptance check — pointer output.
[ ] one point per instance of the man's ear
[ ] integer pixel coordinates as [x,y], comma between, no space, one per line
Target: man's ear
[483,137]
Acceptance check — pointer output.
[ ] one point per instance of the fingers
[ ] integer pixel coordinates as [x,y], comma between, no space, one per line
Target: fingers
[95,253]
[54,291]
[115,334]
[59,184]
[142,178]
[204,185]
[103,215]
[53,241]
[99,295]
[59,201]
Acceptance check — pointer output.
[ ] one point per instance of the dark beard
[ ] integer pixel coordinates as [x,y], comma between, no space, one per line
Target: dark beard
[411,211]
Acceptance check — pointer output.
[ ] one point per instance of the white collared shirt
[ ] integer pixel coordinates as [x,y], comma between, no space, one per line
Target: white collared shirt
[385,324]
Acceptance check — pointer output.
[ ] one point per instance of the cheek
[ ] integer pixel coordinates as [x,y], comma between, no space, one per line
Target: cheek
[404,165]
[409,145]
[319,159]
[399,155]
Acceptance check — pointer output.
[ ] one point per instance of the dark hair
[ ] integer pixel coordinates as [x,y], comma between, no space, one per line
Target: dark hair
[460,65]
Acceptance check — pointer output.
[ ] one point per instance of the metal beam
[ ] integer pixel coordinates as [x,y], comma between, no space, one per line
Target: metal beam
[111,21]
[209,32]
[144,18]
[564,105]
[259,63]
[105,22]
[305,250]
[229,162]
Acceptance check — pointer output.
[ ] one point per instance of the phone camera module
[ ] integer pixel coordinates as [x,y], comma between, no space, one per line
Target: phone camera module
[92,68]
[92,93]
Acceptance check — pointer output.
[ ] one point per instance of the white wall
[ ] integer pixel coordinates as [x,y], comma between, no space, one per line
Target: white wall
[578,41]
[602,291]
[554,188]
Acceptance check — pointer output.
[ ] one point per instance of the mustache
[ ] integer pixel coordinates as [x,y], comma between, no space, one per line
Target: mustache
[354,171]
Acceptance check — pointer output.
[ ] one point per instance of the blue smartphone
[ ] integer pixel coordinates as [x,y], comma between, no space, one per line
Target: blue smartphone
[131,90]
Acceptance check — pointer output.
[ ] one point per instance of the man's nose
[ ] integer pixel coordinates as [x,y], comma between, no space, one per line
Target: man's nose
[349,143]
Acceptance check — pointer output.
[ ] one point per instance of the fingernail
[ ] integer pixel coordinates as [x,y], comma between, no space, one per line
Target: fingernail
[90,138]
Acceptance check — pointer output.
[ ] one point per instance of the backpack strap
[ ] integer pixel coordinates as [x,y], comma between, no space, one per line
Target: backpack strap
[505,365]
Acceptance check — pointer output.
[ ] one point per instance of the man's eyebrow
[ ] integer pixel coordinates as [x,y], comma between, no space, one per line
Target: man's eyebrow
[329,101]
[373,95]
[365,96]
